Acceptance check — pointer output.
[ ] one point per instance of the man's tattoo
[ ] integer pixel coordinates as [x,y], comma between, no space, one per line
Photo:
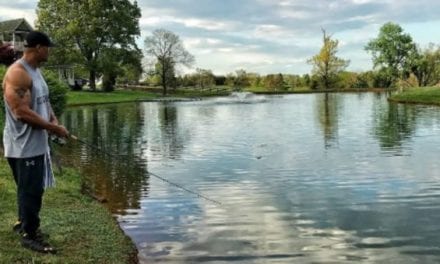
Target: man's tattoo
[20,92]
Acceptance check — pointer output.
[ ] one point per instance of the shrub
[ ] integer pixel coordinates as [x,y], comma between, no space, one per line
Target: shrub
[57,92]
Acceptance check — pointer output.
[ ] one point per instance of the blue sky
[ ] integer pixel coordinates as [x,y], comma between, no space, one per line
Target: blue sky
[269,36]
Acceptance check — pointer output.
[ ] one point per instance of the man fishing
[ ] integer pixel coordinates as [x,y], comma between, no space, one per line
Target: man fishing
[29,119]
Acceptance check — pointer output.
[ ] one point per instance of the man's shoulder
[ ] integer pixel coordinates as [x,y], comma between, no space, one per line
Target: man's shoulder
[16,73]
[16,68]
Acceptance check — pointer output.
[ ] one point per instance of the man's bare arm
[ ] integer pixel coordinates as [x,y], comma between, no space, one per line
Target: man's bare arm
[17,93]
[53,117]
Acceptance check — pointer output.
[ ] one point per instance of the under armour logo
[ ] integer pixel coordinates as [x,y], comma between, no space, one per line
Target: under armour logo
[30,163]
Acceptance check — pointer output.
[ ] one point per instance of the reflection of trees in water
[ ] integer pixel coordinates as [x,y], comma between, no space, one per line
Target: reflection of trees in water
[116,129]
[121,130]
[394,124]
[171,138]
[327,111]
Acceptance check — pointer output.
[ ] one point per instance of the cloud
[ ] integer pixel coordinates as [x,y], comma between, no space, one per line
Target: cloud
[228,34]
[211,25]
[19,9]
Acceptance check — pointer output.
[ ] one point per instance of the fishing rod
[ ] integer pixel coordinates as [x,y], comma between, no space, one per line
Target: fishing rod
[92,146]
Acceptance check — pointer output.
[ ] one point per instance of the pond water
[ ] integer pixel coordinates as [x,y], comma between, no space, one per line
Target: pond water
[313,178]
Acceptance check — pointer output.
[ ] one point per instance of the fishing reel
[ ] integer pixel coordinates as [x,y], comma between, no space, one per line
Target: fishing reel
[58,140]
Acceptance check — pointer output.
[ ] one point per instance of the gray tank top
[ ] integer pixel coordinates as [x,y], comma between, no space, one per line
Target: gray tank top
[20,139]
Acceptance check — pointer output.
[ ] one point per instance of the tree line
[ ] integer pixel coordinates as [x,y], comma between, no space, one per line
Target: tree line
[398,61]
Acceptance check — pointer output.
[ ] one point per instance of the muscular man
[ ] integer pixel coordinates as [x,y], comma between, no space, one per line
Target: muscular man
[29,119]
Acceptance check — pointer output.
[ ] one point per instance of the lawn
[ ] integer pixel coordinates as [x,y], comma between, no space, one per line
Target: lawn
[80,228]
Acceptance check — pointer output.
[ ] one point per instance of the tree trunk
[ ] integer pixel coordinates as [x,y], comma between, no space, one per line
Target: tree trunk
[92,78]
[164,78]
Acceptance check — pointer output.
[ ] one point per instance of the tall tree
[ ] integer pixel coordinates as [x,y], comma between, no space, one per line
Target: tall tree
[393,51]
[113,62]
[87,28]
[167,48]
[326,65]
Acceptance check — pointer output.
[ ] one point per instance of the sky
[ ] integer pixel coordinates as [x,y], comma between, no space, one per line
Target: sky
[270,36]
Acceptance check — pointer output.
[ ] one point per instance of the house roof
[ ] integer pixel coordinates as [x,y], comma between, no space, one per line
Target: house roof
[19,24]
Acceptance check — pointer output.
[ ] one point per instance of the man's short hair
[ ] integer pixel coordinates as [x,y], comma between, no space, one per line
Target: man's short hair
[35,38]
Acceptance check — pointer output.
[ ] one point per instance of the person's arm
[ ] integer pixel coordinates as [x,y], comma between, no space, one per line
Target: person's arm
[17,93]
[53,118]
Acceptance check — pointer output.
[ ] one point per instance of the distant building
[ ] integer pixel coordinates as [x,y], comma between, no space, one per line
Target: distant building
[14,32]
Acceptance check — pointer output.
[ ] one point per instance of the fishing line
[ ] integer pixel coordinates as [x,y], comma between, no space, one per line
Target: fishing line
[92,146]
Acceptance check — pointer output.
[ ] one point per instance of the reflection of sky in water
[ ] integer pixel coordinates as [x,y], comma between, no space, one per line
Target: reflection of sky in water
[302,179]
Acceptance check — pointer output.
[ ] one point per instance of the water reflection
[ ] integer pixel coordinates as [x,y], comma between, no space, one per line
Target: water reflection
[394,124]
[120,176]
[328,108]
[172,139]
[369,194]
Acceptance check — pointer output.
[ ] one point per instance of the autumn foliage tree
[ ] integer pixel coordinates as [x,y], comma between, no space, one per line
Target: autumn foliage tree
[326,65]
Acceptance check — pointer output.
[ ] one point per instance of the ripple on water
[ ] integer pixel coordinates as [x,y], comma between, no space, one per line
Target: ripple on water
[301,179]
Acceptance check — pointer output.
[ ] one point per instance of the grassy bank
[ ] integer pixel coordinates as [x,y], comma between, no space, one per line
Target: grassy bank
[75,98]
[86,97]
[424,95]
[306,90]
[82,230]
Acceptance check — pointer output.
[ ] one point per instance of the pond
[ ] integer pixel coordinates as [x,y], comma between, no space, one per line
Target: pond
[312,178]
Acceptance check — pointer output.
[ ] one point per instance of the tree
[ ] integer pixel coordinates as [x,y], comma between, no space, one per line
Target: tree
[364,80]
[130,73]
[392,52]
[326,65]
[166,72]
[306,80]
[220,80]
[167,48]
[205,78]
[241,80]
[426,65]
[347,80]
[114,62]
[254,80]
[292,81]
[84,29]
[238,81]
[274,82]
[189,80]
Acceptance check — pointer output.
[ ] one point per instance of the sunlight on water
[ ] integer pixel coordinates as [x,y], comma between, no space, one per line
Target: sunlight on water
[337,178]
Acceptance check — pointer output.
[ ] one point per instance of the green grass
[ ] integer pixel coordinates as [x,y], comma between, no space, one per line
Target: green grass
[261,90]
[86,97]
[423,95]
[82,230]
[215,91]
[75,98]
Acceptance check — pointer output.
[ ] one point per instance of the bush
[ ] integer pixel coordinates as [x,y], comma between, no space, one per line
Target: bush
[57,92]
[108,82]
